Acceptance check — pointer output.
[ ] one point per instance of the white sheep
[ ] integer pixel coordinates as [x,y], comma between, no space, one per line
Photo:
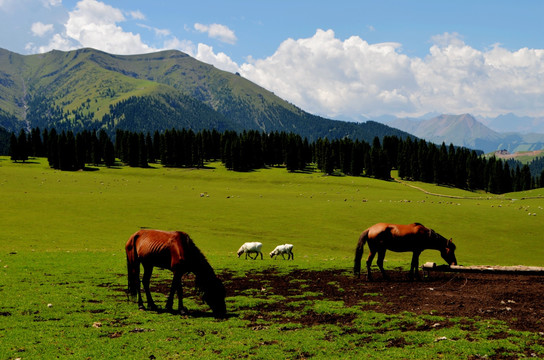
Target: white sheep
[249,248]
[283,249]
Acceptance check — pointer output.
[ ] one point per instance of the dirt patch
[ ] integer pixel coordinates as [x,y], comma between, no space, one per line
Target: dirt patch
[515,299]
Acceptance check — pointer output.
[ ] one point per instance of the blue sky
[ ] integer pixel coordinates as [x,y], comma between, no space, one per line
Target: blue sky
[347,60]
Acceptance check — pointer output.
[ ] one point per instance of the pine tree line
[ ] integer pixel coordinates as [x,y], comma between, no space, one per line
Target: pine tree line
[64,151]
[414,159]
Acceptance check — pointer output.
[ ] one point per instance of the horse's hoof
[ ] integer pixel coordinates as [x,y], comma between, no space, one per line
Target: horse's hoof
[183,311]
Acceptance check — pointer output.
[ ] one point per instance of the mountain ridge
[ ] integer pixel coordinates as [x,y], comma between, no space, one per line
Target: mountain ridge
[80,89]
[466,130]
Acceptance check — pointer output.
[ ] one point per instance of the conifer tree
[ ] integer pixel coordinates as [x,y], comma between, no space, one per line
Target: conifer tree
[22,146]
[13,148]
[109,154]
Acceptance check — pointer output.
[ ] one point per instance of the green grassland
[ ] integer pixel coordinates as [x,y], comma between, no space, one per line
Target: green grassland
[62,261]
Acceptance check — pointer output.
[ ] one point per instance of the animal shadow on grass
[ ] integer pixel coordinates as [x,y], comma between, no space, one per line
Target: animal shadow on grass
[193,313]
[189,291]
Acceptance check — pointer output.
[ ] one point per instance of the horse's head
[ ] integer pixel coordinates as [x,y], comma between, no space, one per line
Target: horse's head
[446,247]
[213,293]
[448,253]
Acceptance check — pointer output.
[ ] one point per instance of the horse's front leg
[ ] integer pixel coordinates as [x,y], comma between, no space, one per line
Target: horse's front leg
[414,267]
[258,255]
[175,288]
[182,309]
[148,271]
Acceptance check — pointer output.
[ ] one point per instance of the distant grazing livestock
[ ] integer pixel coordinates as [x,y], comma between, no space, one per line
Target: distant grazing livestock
[173,250]
[400,238]
[250,248]
[283,249]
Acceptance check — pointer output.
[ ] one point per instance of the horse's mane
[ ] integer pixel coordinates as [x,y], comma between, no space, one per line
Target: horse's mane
[195,256]
[447,243]
[204,274]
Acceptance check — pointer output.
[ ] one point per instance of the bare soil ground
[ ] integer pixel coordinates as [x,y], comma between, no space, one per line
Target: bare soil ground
[515,299]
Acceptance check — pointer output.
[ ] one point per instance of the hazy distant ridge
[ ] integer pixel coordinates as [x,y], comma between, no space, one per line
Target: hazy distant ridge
[465,130]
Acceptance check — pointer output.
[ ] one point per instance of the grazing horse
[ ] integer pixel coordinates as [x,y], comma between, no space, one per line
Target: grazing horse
[174,251]
[400,238]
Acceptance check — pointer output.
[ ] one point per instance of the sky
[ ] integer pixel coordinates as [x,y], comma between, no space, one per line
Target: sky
[347,60]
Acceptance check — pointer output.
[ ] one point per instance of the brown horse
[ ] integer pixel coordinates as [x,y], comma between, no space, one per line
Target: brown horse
[400,238]
[177,252]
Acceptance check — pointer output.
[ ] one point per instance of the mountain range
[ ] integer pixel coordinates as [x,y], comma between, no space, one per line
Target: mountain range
[91,89]
[465,130]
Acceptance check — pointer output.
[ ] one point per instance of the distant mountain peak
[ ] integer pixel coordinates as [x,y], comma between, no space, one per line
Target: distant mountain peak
[466,130]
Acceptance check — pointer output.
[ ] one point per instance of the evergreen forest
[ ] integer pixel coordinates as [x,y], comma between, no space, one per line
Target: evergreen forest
[414,159]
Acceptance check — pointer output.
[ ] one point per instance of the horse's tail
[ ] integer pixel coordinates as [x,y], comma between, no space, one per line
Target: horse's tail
[133,266]
[359,252]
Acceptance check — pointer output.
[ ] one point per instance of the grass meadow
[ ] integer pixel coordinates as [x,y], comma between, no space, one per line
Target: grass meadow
[62,261]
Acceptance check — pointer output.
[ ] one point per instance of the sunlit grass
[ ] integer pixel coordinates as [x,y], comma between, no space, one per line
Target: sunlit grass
[62,261]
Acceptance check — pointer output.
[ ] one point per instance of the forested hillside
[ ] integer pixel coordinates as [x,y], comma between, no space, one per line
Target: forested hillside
[91,90]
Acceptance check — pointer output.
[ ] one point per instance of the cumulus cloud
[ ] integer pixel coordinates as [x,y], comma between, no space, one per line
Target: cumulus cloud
[336,78]
[352,79]
[221,60]
[217,31]
[41,29]
[95,24]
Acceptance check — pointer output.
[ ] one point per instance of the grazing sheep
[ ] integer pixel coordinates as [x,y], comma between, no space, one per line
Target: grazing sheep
[249,248]
[283,249]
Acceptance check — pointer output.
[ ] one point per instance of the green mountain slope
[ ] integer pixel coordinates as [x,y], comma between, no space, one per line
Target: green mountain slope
[87,88]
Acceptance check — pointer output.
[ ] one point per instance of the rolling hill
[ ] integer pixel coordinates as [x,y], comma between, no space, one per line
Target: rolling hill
[90,89]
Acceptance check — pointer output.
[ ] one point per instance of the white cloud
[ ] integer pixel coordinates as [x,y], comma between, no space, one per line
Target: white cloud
[351,78]
[205,54]
[41,29]
[138,15]
[95,24]
[51,3]
[217,31]
[186,46]
[335,78]
[157,31]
